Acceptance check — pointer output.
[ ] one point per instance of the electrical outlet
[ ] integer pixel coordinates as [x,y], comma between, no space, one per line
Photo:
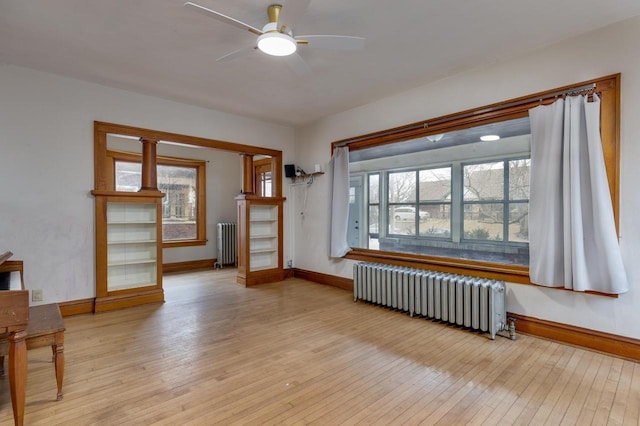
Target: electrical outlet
[289,263]
[37,295]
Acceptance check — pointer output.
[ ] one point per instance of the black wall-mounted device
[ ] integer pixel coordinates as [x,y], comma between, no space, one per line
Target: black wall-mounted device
[289,170]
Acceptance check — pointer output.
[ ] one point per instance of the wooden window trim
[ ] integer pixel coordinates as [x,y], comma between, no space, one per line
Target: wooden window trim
[113,156]
[102,129]
[607,88]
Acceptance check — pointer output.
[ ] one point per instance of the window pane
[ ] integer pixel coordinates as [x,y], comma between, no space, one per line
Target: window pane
[402,187]
[484,181]
[435,220]
[373,219]
[374,189]
[267,189]
[435,184]
[519,222]
[402,220]
[128,176]
[519,179]
[483,222]
[265,184]
[179,202]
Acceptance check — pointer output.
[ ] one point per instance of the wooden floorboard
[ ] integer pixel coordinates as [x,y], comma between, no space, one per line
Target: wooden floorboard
[297,352]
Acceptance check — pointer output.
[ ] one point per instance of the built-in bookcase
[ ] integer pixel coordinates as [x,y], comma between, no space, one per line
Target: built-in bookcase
[132,260]
[259,237]
[263,237]
[129,255]
[128,270]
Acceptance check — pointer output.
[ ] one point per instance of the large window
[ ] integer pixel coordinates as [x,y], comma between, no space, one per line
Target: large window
[452,192]
[475,206]
[182,182]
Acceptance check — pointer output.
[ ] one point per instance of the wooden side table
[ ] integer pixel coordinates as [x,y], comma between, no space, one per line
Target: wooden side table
[46,328]
[14,317]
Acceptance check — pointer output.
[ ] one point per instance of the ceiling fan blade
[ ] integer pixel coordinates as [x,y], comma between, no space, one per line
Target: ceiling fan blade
[292,11]
[237,54]
[336,42]
[297,64]
[223,18]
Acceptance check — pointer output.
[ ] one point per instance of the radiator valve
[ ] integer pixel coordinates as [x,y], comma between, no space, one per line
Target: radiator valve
[512,328]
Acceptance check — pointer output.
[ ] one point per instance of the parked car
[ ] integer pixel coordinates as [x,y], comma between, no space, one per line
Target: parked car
[409,213]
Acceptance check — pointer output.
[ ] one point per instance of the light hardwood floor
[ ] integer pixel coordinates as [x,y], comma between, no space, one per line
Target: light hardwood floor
[297,353]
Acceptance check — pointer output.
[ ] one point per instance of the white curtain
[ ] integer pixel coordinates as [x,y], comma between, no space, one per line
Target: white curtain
[572,235]
[339,167]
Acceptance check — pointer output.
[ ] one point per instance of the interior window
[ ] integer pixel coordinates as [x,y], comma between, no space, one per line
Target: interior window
[474,206]
[263,177]
[182,182]
[179,205]
[452,193]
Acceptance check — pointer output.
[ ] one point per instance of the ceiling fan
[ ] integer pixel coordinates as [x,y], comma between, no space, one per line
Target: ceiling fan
[276,38]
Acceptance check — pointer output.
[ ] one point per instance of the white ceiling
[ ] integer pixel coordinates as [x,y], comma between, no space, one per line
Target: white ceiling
[160,48]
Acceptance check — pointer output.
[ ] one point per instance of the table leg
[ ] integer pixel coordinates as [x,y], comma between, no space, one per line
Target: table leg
[58,357]
[18,374]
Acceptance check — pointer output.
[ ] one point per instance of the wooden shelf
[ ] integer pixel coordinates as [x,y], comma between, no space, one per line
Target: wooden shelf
[132,223]
[309,177]
[132,262]
[128,250]
[260,235]
[271,250]
[127,194]
[131,242]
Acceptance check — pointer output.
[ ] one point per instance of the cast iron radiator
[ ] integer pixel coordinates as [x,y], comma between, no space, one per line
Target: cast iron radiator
[226,244]
[471,302]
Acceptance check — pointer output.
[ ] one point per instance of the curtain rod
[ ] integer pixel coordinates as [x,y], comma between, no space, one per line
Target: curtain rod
[567,92]
[576,90]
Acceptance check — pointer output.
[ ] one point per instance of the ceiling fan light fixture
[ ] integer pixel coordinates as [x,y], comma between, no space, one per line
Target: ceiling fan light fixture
[277,44]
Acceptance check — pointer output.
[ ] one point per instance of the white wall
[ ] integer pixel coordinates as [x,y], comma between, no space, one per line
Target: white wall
[603,52]
[46,168]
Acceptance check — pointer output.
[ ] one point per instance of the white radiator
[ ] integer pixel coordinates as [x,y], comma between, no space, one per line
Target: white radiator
[226,244]
[472,302]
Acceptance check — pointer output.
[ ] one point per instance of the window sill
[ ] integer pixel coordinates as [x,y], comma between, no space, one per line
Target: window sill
[183,243]
[510,273]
